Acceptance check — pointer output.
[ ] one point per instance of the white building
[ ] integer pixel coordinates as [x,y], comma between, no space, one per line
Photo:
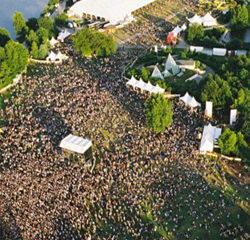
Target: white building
[114,11]
[209,137]
[219,51]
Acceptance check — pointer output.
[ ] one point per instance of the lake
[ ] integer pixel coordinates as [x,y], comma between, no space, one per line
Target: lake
[29,8]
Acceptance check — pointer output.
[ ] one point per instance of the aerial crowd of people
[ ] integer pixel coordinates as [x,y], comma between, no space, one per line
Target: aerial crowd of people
[144,185]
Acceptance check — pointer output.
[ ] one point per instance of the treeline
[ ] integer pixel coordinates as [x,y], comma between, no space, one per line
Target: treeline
[13,60]
[89,42]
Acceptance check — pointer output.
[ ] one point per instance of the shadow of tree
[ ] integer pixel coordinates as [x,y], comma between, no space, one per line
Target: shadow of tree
[53,123]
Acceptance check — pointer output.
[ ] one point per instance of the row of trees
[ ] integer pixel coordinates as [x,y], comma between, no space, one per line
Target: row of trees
[13,60]
[240,17]
[89,42]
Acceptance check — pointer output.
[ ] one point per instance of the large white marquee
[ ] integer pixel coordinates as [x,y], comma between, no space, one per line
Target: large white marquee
[115,11]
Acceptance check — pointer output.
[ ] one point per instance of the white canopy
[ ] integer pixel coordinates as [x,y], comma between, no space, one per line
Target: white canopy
[208,20]
[195,19]
[196,48]
[132,81]
[209,136]
[156,73]
[190,101]
[145,86]
[75,144]
[219,51]
[64,34]
[56,57]
[53,41]
[115,11]
[177,30]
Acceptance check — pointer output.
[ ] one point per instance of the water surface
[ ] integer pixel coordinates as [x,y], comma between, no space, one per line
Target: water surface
[29,8]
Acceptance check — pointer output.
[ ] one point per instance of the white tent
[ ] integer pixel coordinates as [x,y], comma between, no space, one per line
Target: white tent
[115,11]
[132,81]
[75,144]
[196,49]
[170,63]
[156,73]
[184,27]
[208,20]
[53,41]
[63,35]
[190,101]
[177,30]
[219,51]
[51,57]
[145,86]
[166,73]
[195,19]
[209,136]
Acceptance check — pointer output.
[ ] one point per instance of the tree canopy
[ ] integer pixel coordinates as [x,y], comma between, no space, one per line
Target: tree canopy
[240,17]
[227,141]
[89,42]
[4,37]
[195,31]
[19,23]
[159,113]
[13,60]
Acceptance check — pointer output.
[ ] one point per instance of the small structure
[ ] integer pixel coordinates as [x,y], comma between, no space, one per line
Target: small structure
[171,66]
[219,51]
[233,116]
[209,109]
[63,35]
[156,48]
[53,41]
[208,20]
[209,137]
[186,64]
[190,101]
[77,148]
[195,19]
[56,58]
[196,49]
[171,38]
[156,73]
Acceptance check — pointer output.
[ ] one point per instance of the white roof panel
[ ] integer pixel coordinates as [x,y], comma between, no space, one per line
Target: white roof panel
[75,144]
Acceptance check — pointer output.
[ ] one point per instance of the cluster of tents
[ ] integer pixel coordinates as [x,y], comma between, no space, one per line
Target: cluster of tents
[56,57]
[143,86]
[208,20]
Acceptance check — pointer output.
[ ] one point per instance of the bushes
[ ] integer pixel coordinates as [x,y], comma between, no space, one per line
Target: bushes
[89,42]
[235,44]
[61,20]
[239,17]
[4,37]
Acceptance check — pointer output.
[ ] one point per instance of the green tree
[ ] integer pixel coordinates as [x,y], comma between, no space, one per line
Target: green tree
[227,141]
[2,54]
[43,51]
[145,73]
[32,24]
[241,145]
[43,35]
[195,31]
[47,23]
[34,50]
[19,23]
[159,113]
[240,17]
[61,20]
[4,37]
[32,37]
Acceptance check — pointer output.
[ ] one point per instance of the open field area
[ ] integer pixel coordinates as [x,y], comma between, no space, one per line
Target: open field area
[144,185]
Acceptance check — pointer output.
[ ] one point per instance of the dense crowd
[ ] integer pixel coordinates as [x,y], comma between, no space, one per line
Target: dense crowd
[144,185]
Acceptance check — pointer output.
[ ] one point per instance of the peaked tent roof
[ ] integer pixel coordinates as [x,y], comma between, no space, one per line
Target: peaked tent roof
[132,81]
[156,73]
[209,135]
[208,20]
[75,144]
[195,19]
[186,98]
[53,41]
[170,63]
